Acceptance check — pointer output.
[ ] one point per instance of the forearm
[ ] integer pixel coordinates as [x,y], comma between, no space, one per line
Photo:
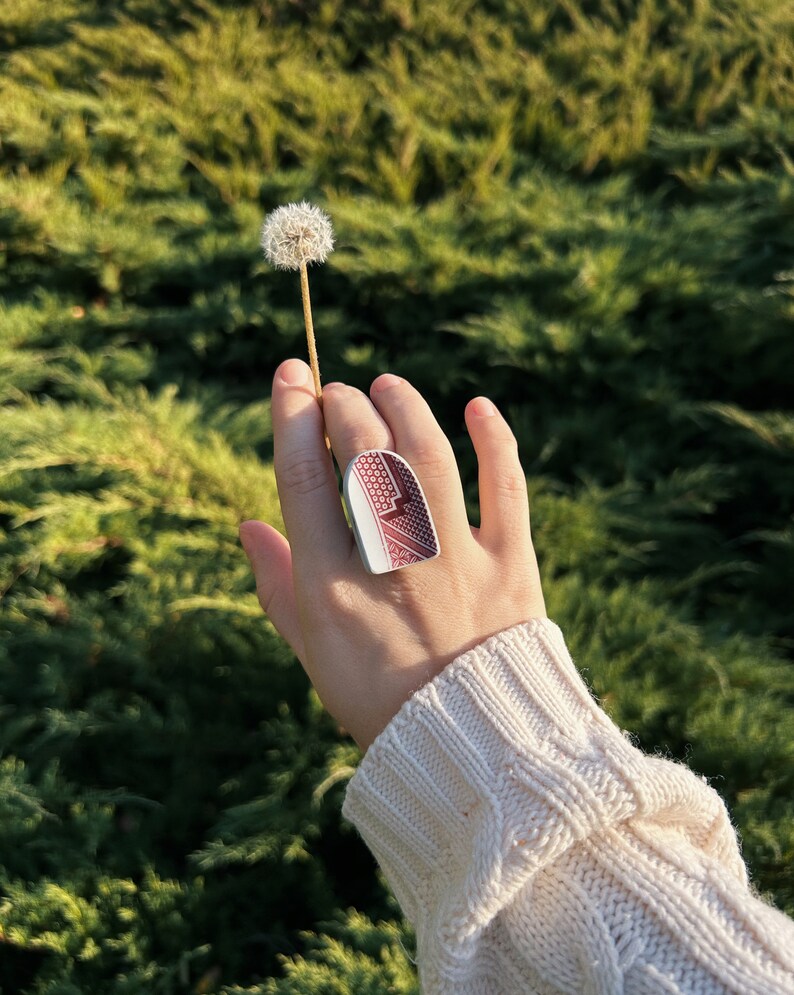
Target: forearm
[531,844]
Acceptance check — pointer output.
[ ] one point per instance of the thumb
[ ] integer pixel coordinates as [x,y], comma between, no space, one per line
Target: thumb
[271,559]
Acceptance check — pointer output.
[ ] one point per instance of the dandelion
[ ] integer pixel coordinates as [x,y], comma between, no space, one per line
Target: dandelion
[297,234]
[294,236]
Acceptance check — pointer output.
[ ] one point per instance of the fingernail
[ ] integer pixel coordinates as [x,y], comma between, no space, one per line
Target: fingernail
[385,381]
[483,407]
[333,385]
[294,373]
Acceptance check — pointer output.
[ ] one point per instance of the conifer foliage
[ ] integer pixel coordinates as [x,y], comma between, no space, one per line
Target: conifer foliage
[582,208]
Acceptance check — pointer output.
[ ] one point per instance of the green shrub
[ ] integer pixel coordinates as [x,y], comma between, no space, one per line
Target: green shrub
[581,208]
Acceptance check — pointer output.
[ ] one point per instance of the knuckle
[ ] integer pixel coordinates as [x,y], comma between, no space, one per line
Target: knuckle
[303,473]
[510,444]
[434,463]
[356,443]
[505,470]
[510,482]
[339,601]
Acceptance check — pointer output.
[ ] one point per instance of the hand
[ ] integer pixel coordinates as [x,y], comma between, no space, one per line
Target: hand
[368,642]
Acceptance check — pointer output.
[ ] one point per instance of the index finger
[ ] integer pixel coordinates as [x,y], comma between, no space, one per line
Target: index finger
[307,488]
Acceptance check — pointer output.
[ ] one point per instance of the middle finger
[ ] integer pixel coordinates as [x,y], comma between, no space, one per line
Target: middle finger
[418,438]
[353,423]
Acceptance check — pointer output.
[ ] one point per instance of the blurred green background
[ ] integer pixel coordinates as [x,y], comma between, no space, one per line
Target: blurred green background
[582,208]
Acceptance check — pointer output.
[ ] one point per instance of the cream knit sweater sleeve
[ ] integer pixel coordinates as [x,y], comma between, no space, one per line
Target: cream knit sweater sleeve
[534,849]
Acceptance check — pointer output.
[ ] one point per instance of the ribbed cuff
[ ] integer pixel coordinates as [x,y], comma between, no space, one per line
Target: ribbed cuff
[494,769]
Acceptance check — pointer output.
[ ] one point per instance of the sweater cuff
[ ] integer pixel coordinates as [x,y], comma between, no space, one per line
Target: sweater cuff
[495,768]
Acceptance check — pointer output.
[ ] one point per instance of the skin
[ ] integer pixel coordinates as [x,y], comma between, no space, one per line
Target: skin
[368,642]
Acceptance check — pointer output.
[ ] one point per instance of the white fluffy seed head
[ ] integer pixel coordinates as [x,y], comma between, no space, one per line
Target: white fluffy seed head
[296,234]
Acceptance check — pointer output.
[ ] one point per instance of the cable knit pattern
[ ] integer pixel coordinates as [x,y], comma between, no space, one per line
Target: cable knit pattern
[536,850]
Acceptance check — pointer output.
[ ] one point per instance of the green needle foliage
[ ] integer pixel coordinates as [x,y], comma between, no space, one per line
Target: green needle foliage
[582,208]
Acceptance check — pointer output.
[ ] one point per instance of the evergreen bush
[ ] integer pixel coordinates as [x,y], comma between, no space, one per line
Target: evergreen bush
[582,208]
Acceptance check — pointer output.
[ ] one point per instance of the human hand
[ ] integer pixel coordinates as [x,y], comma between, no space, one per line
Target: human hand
[369,641]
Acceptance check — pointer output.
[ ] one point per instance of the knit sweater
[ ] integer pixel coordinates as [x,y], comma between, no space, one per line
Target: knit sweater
[535,849]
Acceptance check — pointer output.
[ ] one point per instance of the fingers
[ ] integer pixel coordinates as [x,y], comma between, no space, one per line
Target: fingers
[397,418]
[271,561]
[420,440]
[353,423]
[504,507]
[307,488]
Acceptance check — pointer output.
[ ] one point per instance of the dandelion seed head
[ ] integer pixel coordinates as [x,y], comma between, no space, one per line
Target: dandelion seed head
[296,234]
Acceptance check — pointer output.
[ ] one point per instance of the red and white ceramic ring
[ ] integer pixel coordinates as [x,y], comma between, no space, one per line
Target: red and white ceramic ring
[389,512]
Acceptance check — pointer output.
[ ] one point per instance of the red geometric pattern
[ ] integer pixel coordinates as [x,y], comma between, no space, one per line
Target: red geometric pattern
[393,493]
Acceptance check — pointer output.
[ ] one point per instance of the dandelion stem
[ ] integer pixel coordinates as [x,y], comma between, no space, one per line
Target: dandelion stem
[307,317]
[313,360]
